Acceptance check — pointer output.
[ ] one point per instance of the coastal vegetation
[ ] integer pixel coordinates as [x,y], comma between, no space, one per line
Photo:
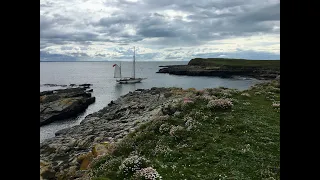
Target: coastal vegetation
[215,133]
[226,62]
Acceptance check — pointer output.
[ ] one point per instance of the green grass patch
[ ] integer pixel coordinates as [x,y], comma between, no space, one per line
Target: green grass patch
[238,143]
[219,62]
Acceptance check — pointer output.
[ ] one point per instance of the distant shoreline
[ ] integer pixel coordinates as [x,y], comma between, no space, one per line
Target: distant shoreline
[115,61]
[226,68]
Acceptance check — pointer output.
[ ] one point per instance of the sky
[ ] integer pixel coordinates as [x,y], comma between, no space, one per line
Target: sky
[161,30]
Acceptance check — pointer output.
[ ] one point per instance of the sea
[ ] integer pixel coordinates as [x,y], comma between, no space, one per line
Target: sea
[105,88]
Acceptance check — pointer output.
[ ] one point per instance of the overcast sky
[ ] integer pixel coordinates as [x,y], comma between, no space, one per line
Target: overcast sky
[165,30]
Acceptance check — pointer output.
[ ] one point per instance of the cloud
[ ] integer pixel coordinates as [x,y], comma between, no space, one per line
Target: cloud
[95,26]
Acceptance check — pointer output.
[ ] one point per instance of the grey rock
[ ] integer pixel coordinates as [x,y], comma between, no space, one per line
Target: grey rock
[63,104]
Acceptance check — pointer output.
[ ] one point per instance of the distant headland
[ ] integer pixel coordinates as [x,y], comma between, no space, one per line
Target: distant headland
[226,68]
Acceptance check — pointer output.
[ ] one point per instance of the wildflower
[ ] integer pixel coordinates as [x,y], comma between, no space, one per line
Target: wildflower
[176,131]
[245,94]
[219,104]
[164,128]
[232,100]
[257,93]
[246,103]
[148,173]
[208,97]
[225,94]
[191,124]
[132,164]
[276,104]
[187,100]
[246,148]
[160,149]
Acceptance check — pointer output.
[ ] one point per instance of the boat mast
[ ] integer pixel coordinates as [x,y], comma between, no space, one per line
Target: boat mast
[134,62]
[120,70]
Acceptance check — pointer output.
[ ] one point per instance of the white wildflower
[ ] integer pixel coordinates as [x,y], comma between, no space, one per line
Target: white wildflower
[246,103]
[132,164]
[148,173]
[276,104]
[245,94]
[257,93]
[164,128]
[219,104]
[176,130]
[160,149]
[246,148]
[191,124]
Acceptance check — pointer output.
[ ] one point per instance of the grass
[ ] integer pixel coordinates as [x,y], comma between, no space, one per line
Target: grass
[238,143]
[218,62]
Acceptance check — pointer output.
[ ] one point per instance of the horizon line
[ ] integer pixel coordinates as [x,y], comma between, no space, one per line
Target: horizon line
[162,61]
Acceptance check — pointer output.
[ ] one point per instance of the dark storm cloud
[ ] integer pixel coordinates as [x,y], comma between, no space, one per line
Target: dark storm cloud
[269,13]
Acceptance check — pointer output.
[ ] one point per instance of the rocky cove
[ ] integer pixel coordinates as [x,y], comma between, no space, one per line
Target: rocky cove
[59,155]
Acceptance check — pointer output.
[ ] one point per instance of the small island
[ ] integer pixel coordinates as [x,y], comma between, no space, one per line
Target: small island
[226,68]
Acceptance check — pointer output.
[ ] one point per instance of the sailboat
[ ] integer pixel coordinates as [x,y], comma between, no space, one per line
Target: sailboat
[127,80]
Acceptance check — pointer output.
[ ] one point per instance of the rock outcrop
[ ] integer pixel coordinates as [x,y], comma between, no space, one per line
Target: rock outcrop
[110,124]
[63,103]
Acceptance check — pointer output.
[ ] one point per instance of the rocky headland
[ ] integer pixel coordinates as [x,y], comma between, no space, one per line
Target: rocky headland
[226,68]
[73,151]
[61,104]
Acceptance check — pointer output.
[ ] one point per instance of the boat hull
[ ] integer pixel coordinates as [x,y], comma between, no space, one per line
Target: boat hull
[129,81]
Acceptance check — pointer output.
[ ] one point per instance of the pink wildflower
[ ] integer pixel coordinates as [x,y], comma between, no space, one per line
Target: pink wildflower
[187,100]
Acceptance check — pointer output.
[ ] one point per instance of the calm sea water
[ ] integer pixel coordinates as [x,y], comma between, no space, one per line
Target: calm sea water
[105,89]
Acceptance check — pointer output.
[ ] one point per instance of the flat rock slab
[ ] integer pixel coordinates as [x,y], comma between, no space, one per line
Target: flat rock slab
[63,104]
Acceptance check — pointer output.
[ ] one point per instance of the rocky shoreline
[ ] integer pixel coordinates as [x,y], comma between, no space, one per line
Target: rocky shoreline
[61,104]
[59,155]
[69,153]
